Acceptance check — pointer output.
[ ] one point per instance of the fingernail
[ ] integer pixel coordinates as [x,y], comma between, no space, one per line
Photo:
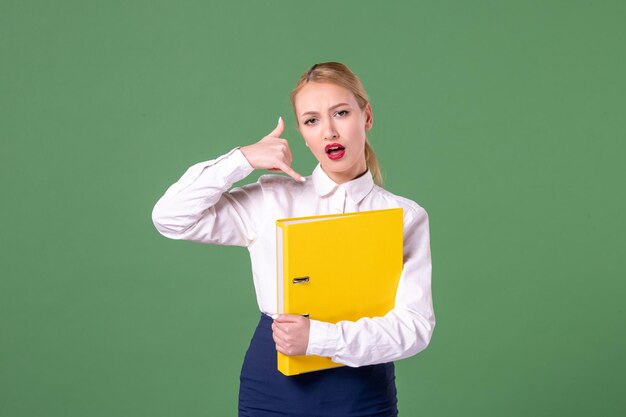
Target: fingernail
[274,316]
[302,179]
[280,117]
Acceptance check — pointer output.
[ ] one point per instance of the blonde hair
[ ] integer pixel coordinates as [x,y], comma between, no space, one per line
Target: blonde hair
[339,74]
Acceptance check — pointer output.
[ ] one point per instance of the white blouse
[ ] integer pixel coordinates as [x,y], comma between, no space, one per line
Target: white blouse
[199,207]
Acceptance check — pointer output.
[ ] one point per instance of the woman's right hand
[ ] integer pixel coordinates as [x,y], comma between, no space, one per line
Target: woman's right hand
[272,152]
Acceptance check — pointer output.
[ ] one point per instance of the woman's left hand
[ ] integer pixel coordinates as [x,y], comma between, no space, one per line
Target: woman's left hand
[291,334]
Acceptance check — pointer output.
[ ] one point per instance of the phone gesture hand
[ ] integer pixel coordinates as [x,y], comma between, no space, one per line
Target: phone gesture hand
[272,153]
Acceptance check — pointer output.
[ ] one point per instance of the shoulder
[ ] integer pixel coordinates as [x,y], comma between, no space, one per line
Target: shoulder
[412,210]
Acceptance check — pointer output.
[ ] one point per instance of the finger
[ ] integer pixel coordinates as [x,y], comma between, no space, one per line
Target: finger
[282,339]
[288,155]
[280,347]
[287,162]
[282,318]
[288,318]
[287,170]
[278,130]
[276,328]
[281,331]
[277,339]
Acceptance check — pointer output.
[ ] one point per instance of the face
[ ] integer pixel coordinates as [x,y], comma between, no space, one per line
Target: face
[333,127]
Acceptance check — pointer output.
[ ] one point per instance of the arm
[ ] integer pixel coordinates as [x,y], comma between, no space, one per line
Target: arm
[198,207]
[405,330]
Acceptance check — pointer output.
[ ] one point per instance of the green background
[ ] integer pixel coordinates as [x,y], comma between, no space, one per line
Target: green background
[505,120]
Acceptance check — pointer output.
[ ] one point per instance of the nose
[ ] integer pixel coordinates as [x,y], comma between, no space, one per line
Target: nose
[330,133]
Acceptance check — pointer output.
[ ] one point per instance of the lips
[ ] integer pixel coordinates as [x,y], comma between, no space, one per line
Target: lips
[335,151]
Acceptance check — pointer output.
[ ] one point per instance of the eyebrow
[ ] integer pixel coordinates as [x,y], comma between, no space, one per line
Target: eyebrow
[330,108]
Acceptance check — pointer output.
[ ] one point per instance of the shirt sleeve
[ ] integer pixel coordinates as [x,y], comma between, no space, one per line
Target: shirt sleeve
[199,207]
[405,330]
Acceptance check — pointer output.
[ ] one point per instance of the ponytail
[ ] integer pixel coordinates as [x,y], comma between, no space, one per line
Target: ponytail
[372,164]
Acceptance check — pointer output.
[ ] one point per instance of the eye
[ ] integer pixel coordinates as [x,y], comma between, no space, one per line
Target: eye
[342,112]
[308,121]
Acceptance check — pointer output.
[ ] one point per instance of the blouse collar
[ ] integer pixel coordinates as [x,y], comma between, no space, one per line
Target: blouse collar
[356,189]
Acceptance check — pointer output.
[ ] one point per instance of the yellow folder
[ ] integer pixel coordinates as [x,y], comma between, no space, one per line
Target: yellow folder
[337,267]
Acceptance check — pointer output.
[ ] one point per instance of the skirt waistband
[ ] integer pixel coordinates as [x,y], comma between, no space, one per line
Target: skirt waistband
[266,321]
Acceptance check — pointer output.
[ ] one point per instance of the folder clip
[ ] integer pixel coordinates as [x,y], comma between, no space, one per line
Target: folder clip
[300,280]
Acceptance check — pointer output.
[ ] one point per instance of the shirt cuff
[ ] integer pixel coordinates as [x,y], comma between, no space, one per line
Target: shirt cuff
[323,339]
[241,162]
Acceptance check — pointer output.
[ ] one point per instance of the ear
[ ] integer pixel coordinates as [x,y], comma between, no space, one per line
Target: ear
[369,117]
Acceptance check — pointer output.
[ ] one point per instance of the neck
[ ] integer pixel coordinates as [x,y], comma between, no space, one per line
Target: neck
[343,177]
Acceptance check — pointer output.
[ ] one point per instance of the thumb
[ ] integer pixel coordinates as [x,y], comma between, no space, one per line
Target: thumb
[291,318]
[286,318]
[278,130]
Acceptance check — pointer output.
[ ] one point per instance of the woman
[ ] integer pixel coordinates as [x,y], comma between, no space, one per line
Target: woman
[333,115]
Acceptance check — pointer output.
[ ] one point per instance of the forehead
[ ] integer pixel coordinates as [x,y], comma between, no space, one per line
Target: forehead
[319,96]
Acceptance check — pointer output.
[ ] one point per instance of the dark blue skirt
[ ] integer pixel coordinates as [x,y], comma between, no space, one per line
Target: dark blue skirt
[367,391]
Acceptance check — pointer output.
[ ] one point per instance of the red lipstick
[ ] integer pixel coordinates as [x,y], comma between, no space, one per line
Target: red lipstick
[335,151]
